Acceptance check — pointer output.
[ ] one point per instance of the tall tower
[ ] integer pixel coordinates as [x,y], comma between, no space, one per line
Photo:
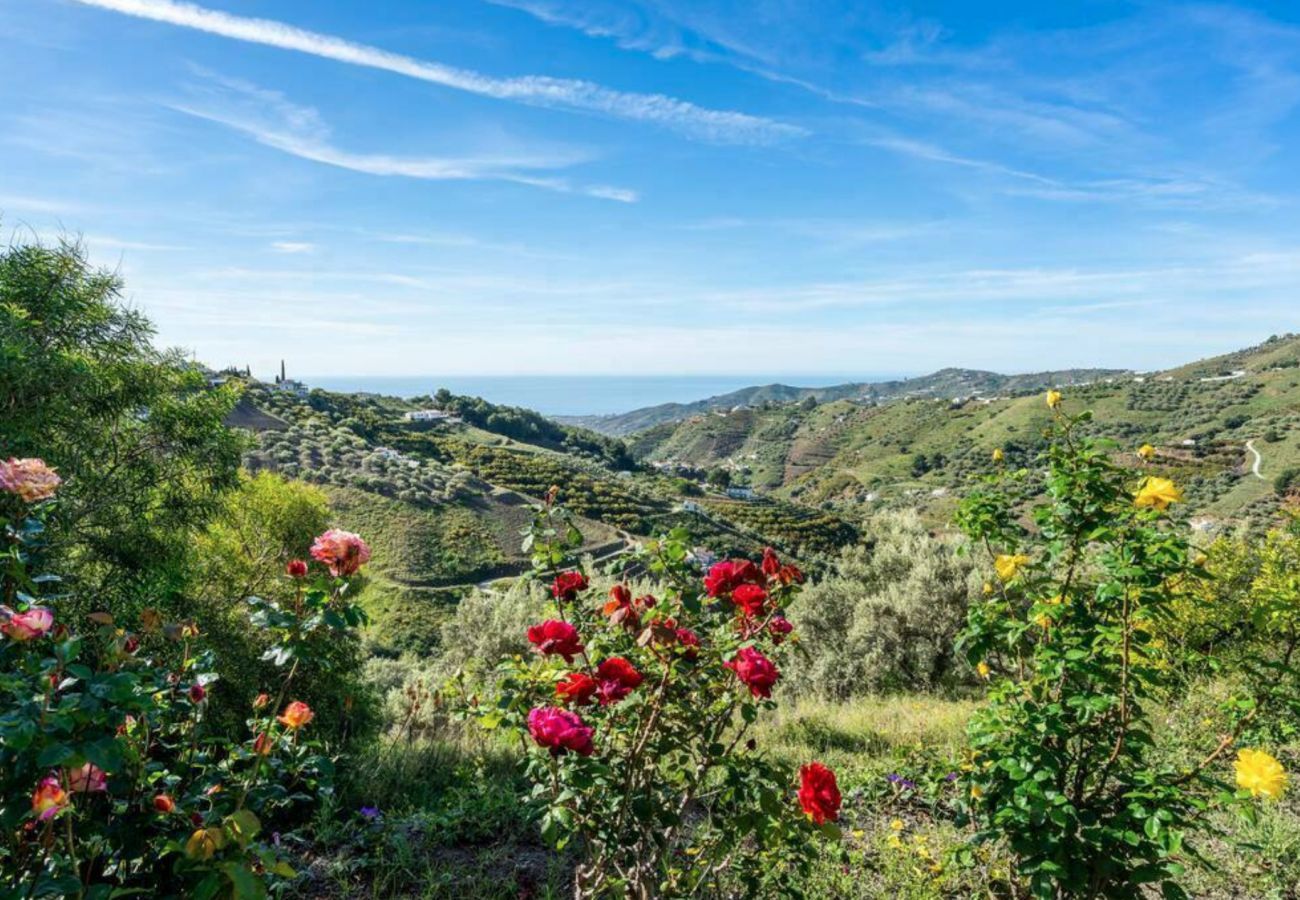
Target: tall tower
[282,378]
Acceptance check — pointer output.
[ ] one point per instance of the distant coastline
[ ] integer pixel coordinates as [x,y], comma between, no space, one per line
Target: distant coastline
[578,395]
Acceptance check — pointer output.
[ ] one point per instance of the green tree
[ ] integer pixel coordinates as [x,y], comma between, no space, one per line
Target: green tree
[136,433]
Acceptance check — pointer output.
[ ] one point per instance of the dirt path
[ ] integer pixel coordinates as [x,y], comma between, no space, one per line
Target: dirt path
[1259,459]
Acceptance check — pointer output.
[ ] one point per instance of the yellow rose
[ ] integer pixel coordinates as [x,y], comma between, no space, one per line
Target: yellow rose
[1147,452]
[1008,566]
[1053,399]
[1260,773]
[1157,493]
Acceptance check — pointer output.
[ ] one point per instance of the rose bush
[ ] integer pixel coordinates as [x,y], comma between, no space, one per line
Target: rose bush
[112,781]
[1062,765]
[637,712]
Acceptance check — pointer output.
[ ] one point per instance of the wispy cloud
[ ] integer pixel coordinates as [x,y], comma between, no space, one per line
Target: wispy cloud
[539,90]
[293,246]
[272,120]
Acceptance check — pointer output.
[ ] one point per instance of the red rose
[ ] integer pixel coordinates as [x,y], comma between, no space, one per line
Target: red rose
[755,671]
[690,642]
[576,688]
[296,569]
[724,577]
[617,678]
[779,627]
[749,599]
[771,565]
[567,585]
[163,803]
[819,795]
[560,731]
[554,636]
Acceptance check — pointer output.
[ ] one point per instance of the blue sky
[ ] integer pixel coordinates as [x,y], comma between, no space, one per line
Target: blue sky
[751,186]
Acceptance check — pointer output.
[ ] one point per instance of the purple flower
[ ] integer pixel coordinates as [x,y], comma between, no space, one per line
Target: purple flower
[370,812]
[951,776]
[893,778]
[900,782]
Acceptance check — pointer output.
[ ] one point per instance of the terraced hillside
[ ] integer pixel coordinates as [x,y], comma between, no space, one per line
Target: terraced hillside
[861,455]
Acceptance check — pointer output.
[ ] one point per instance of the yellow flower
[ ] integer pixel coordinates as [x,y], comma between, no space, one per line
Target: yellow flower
[988,588]
[204,843]
[1008,566]
[936,868]
[1053,399]
[897,824]
[976,791]
[1043,621]
[983,669]
[1260,773]
[1157,493]
[858,834]
[895,842]
[1147,452]
[997,454]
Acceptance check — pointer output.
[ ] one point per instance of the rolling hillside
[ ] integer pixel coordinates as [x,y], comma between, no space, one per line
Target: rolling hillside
[858,454]
[944,383]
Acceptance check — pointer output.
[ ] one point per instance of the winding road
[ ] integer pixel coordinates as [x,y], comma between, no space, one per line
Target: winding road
[1250,445]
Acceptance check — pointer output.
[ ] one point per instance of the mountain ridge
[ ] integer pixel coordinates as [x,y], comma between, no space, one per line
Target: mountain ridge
[950,381]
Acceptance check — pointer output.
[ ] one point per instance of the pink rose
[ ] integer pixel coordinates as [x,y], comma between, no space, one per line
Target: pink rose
[560,731]
[25,626]
[341,551]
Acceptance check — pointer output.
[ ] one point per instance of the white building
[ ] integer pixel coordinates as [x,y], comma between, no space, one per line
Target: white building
[430,415]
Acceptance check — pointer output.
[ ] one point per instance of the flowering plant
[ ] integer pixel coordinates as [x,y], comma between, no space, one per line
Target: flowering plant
[111,779]
[1061,764]
[637,708]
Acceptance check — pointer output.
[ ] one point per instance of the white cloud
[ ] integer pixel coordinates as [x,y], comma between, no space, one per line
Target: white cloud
[293,247]
[710,124]
[272,120]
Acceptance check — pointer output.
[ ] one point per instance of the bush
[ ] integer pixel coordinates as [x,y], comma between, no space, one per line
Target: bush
[1061,765]
[887,616]
[113,781]
[655,767]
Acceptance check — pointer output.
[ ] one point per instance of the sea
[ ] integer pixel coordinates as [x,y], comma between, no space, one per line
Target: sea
[577,395]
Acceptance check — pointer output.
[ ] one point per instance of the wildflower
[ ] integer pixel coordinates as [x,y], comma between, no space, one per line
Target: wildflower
[749,599]
[25,626]
[976,791]
[163,803]
[49,799]
[204,844]
[1053,399]
[983,669]
[296,568]
[342,552]
[1147,452]
[567,585]
[1008,566]
[998,455]
[560,731]
[31,479]
[89,779]
[555,637]
[755,671]
[576,688]
[617,678]
[896,824]
[1260,773]
[1157,493]
[988,589]
[819,795]
[726,576]
[370,813]
[296,715]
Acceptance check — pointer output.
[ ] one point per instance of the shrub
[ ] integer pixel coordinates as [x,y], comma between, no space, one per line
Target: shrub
[113,780]
[887,616]
[1061,766]
[638,709]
